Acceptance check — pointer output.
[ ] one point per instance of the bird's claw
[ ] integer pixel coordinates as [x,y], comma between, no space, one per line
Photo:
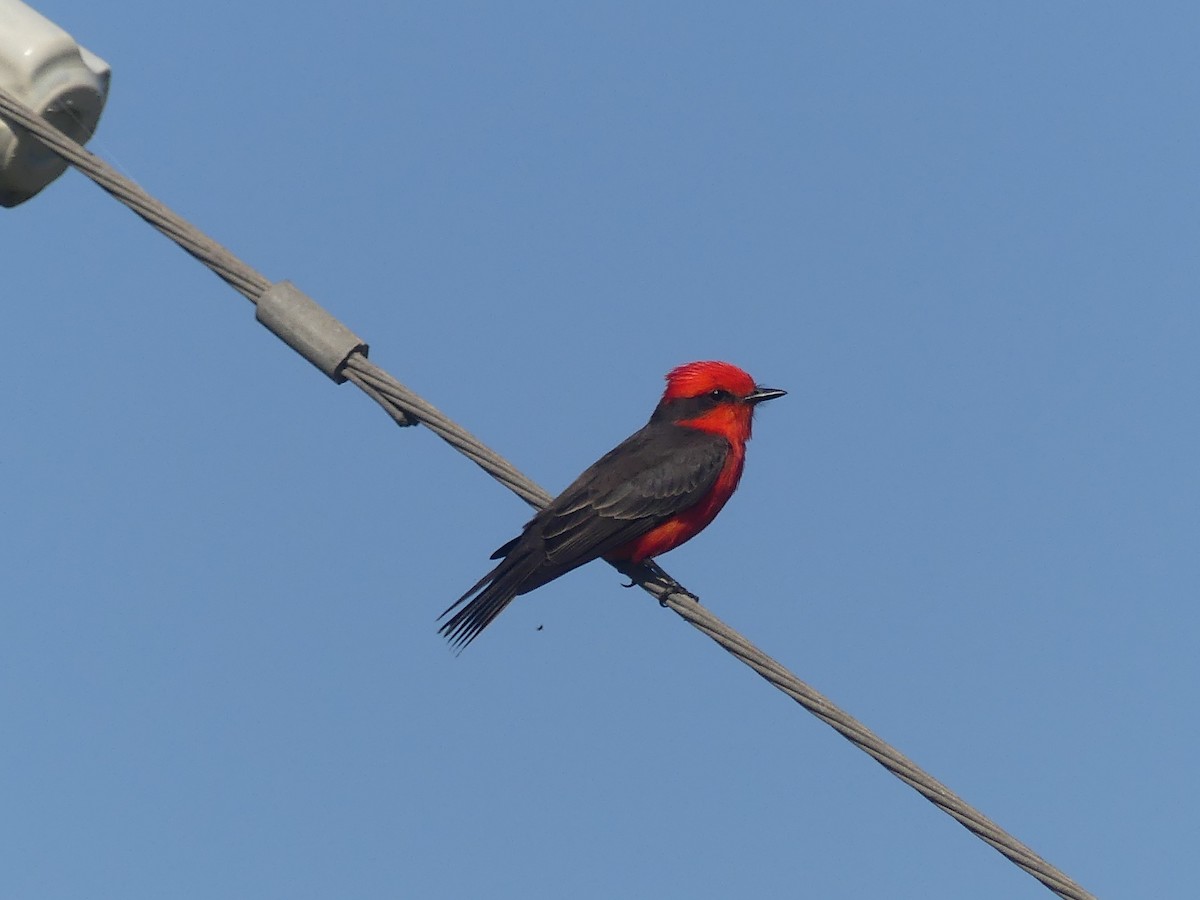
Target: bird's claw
[670,587]
[675,590]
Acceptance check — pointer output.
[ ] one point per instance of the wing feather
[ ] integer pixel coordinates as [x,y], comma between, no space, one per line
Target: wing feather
[657,473]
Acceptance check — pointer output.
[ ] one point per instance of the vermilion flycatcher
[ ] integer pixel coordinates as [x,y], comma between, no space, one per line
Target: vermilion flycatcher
[658,488]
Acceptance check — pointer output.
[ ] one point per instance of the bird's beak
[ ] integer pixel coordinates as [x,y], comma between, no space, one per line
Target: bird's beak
[764,393]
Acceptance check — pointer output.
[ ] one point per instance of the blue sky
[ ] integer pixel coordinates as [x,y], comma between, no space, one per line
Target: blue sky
[964,239]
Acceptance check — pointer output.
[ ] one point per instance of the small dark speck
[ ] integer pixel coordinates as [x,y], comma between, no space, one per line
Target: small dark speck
[539,628]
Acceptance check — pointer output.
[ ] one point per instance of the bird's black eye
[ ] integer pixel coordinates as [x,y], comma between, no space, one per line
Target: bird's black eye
[719,396]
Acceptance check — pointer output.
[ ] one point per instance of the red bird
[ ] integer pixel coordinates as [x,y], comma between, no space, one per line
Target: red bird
[658,488]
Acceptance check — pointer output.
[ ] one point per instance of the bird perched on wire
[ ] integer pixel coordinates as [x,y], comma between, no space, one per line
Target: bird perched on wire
[658,488]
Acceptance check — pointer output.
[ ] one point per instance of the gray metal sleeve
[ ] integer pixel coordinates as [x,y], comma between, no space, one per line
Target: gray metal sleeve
[304,325]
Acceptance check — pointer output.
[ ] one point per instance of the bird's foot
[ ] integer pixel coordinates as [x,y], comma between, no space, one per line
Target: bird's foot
[673,588]
[665,583]
[649,574]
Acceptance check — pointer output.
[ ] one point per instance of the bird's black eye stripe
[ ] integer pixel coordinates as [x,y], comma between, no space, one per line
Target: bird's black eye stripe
[682,408]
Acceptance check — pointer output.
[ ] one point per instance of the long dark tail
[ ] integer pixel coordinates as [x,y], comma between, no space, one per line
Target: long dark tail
[494,591]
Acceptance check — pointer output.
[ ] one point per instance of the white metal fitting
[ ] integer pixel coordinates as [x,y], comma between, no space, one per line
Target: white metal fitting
[65,84]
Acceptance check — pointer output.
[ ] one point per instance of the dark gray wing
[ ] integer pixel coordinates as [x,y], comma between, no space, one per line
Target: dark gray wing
[657,473]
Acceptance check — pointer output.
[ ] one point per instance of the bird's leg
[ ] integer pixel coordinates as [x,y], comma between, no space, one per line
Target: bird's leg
[651,573]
